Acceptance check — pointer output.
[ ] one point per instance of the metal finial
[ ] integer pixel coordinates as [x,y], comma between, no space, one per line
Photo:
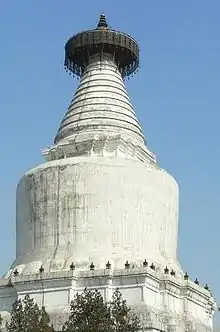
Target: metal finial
[196,281]
[145,263]
[127,265]
[173,273]
[152,266]
[102,22]
[108,265]
[41,269]
[186,277]
[102,39]
[92,266]
[166,270]
[16,273]
[72,267]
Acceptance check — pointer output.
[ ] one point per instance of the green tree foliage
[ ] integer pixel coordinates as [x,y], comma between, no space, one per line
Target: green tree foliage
[90,313]
[26,316]
[123,319]
[1,321]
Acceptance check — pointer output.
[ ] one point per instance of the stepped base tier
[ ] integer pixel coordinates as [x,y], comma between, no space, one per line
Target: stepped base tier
[100,213]
[162,301]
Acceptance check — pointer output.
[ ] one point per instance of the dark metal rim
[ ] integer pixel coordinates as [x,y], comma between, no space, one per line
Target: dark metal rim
[80,47]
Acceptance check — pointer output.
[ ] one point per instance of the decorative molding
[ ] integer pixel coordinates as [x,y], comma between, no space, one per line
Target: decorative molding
[106,146]
[131,282]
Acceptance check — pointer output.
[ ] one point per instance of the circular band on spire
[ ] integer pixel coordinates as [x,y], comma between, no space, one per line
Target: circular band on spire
[82,46]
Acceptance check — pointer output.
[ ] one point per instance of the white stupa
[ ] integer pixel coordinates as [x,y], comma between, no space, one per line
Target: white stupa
[100,212]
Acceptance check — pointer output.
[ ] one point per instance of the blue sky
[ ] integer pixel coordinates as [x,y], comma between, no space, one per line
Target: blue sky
[175,93]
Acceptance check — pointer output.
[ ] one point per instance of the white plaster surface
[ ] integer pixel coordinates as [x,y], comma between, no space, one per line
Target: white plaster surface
[100,196]
[85,210]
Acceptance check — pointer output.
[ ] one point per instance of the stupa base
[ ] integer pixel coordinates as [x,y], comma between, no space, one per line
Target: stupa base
[162,301]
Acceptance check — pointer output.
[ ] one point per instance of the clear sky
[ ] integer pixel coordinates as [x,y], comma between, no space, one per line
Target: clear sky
[176,96]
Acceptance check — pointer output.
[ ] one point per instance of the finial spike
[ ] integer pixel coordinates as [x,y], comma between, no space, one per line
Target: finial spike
[102,22]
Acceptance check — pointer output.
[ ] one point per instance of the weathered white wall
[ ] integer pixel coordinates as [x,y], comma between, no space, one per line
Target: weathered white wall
[94,210]
[101,197]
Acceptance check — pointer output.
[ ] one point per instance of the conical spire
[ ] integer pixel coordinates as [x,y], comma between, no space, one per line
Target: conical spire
[102,22]
[101,105]
[100,117]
